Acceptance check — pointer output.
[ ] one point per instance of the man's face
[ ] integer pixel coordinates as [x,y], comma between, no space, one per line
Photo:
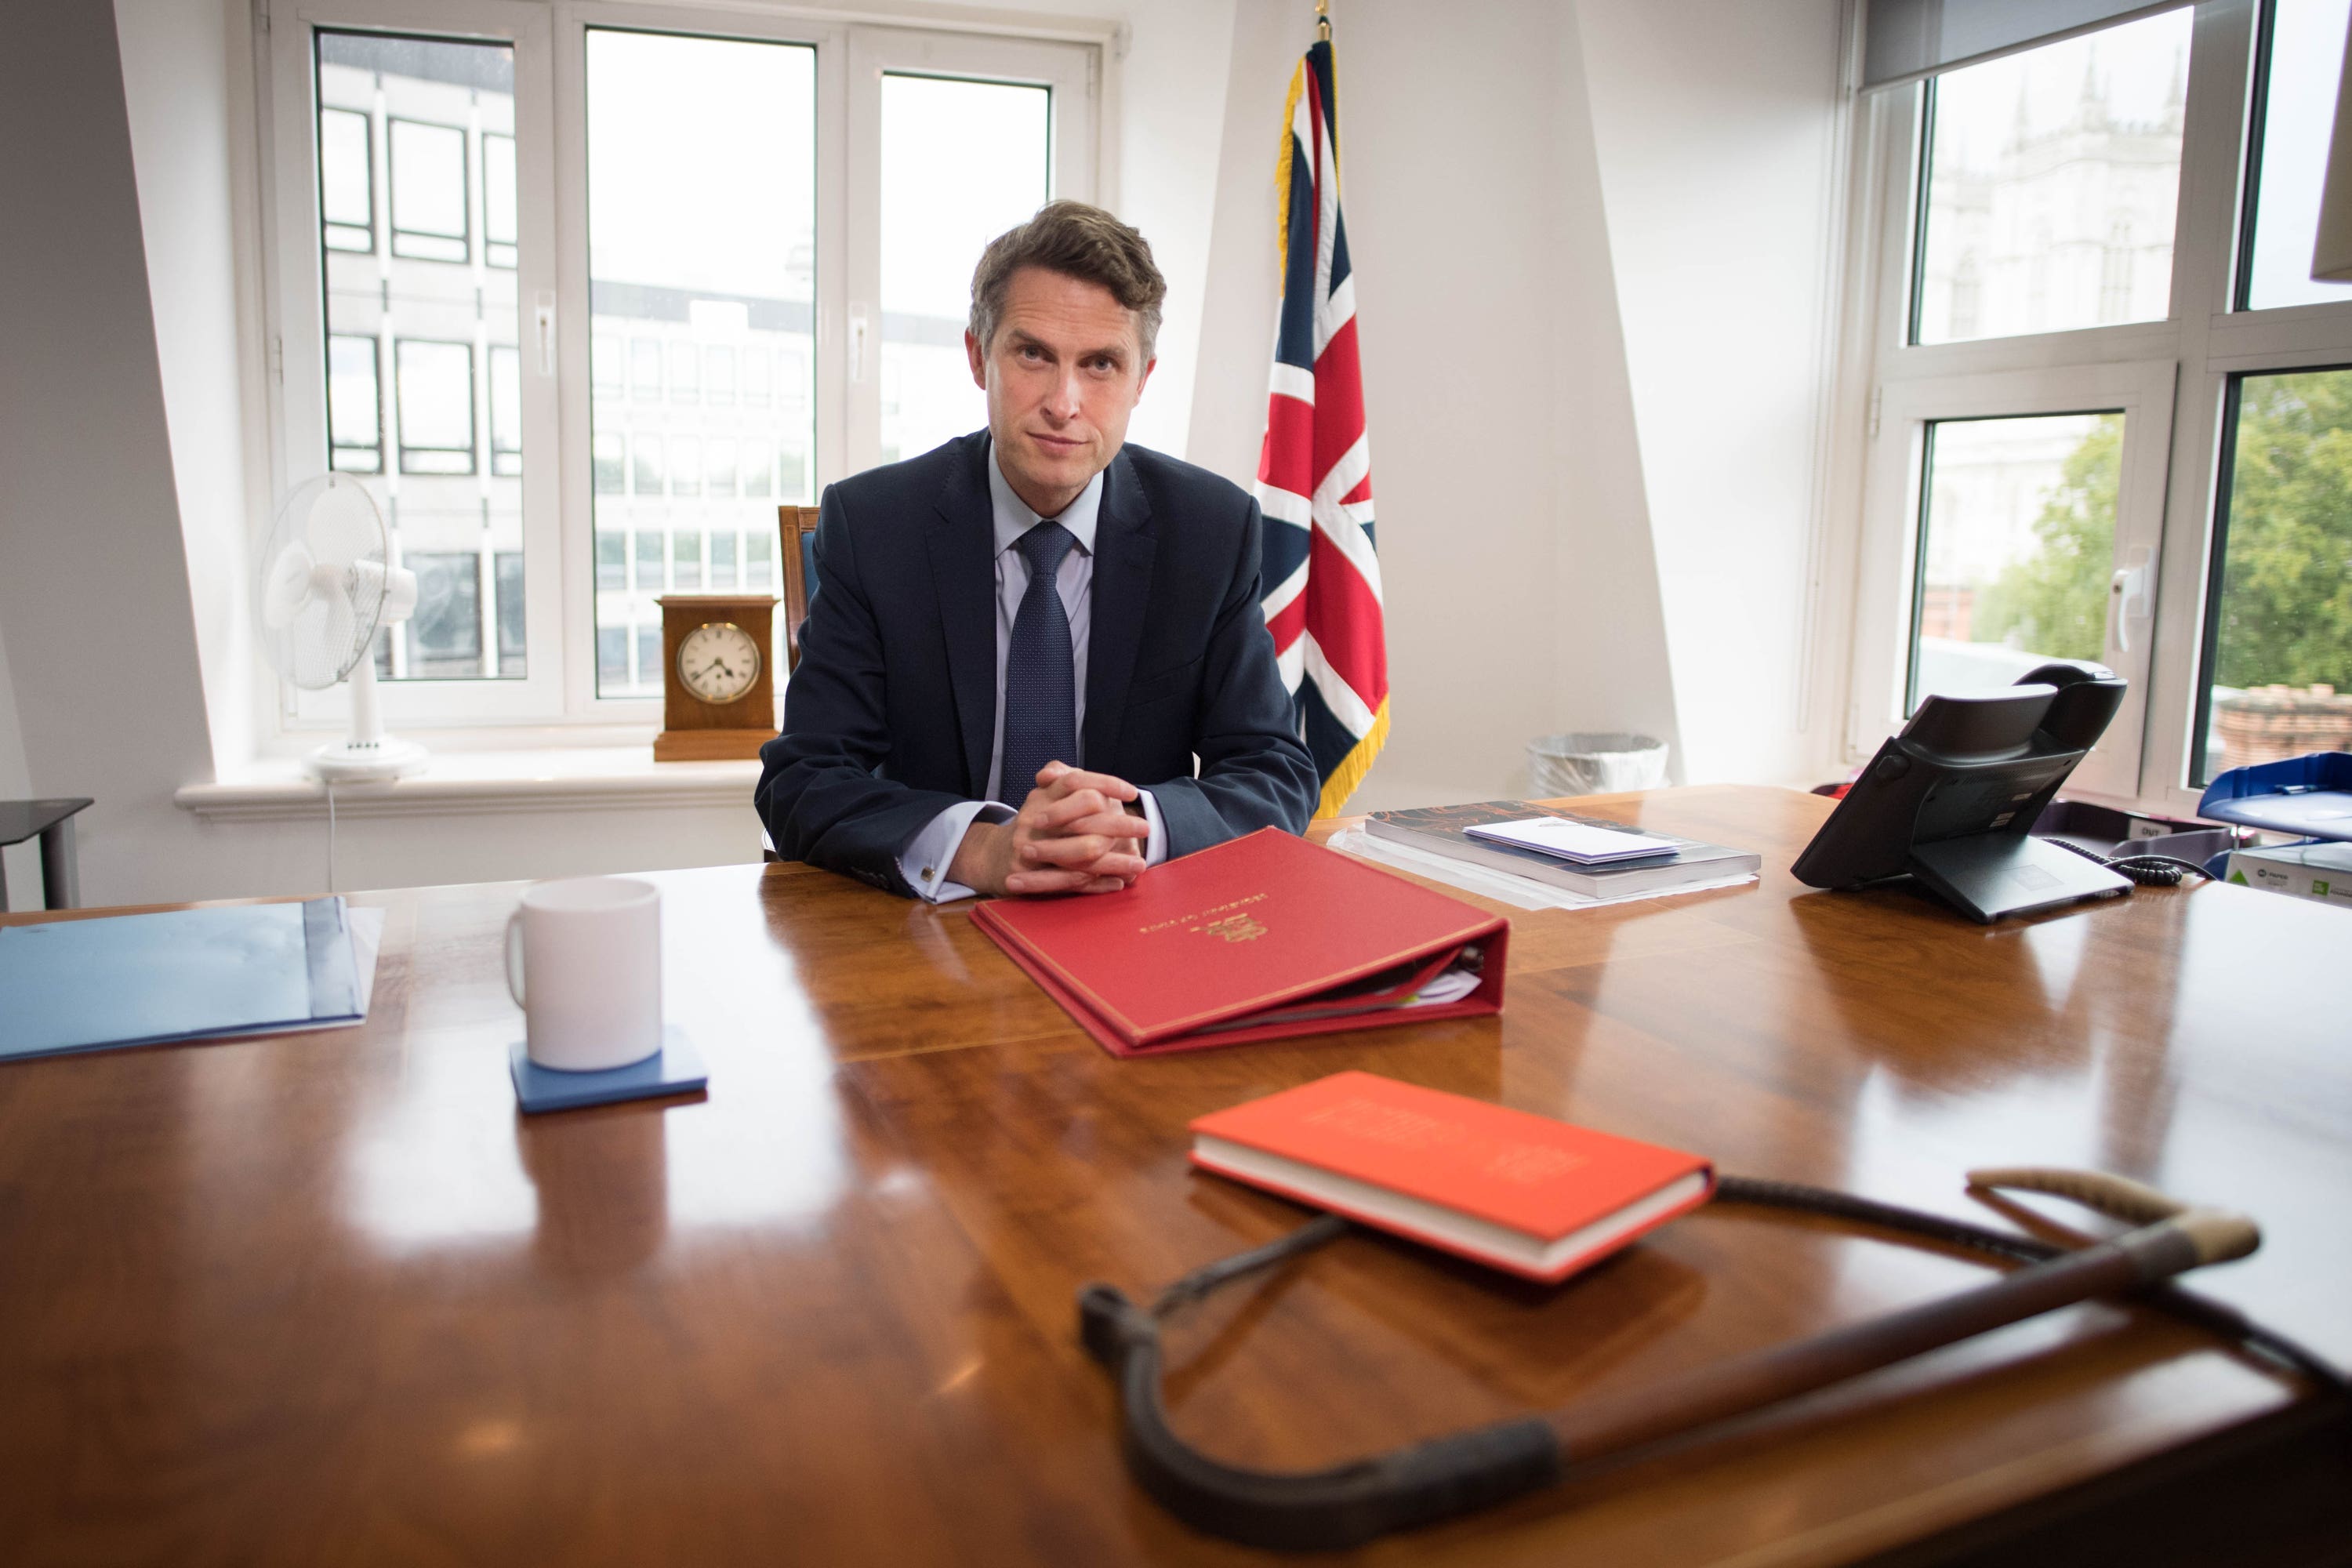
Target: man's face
[1062,376]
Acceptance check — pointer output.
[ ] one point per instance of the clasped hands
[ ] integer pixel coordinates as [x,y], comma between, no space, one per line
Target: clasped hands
[1076,833]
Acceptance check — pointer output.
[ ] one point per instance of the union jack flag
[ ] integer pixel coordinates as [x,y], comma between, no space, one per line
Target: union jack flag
[1314,477]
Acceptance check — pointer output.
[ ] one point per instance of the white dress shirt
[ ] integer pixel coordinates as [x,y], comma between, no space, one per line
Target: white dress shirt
[924,862]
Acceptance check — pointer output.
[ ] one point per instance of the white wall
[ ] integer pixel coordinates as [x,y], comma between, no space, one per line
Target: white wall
[94,581]
[1716,131]
[22,863]
[186,73]
[1521,595]
[1592,247]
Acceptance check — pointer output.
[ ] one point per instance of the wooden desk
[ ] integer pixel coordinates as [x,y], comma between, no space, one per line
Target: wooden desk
[328,1297]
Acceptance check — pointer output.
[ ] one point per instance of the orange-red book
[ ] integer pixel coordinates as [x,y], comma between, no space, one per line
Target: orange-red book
[1520,1192]
[1252,940]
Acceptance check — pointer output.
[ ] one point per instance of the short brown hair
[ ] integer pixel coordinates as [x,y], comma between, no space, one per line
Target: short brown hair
[1078,241]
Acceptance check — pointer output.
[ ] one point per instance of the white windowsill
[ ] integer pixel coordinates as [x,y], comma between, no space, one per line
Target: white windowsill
[600,778]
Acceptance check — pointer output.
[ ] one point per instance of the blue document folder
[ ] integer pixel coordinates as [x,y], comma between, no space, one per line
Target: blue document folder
[181,975]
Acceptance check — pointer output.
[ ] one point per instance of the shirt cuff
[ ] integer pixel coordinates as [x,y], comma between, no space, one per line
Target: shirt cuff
[924,861]
[1156,847]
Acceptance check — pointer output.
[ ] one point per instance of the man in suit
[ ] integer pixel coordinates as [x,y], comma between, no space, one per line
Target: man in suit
[1022,641]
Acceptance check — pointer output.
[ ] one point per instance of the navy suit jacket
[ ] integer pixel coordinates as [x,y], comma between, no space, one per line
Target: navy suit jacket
[891,715]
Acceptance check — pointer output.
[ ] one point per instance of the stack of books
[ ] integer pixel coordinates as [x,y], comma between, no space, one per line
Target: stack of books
[1585,856]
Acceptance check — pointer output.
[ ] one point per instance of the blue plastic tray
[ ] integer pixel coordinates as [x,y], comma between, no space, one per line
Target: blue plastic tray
[2310,795]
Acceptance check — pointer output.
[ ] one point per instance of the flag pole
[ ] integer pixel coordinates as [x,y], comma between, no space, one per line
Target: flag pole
[1323,21]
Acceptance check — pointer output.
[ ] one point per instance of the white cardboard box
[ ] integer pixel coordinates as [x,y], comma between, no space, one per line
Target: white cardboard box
[2320,872]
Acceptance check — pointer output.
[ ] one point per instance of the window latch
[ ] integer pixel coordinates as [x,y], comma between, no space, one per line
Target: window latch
[542,318]
[2128,595]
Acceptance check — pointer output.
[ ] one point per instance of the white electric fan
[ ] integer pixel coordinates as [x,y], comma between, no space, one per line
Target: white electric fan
[325,588]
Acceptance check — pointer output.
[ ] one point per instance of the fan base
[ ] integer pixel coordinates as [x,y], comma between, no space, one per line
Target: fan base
[381,762]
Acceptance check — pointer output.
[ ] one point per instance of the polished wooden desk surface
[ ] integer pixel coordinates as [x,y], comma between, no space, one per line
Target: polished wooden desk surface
[328,1297]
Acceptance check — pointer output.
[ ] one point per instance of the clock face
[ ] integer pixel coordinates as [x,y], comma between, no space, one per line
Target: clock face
[718,662]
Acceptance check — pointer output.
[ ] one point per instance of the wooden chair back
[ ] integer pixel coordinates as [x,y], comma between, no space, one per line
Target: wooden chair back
[795,526]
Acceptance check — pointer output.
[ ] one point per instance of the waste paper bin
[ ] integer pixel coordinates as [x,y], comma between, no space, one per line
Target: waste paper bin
[1596,763]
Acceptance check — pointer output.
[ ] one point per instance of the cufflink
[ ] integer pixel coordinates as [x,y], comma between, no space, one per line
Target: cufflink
[926,873]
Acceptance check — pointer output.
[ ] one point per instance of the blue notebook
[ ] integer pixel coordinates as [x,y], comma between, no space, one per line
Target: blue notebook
[180,975]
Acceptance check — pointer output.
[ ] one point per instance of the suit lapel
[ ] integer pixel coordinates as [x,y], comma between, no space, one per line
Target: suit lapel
[1125,547]
[963,574]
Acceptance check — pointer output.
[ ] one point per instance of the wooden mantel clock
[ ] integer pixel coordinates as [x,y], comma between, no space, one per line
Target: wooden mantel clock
[718,694]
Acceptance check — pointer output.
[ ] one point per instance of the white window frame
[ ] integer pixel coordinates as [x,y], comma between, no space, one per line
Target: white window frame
[2168,376]
[557,696]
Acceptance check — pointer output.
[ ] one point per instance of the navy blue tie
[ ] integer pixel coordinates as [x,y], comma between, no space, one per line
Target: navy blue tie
[1041,699]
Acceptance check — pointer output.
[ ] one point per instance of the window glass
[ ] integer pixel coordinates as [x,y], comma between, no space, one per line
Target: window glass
[722,560]
[648,670]
[509,612]
[435,397]
[499,199]
[612,561]
[2303,51]
[428,191]
[686,559]
[759,470]
[759,562]
[2278,642]
[605,364]
[961,162]
[445,635]
[608,463]
[2016,548]
[506,409]
[706,282]
[354,404]
[2052,178]
[431,110]
[347,179]
[612,656]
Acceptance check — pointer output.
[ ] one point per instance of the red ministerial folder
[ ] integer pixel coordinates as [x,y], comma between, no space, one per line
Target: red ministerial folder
[1523,1193]
[1260,938]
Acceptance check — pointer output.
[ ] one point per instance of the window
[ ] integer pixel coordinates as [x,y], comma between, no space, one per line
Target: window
[961,162]
[347,179]
[499,199]
[429,197]
[505,410]
[488,211]
[677,128]
[2017,527]
[445,635]
[2095,434]
[354,404]
[2278,632]
[2300,53]
[435,397]
[2038,169]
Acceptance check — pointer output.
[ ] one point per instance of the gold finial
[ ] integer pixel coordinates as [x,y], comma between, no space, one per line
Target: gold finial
[1323,21]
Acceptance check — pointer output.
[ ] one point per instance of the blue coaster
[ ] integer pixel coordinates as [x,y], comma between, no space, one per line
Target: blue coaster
[676,1069]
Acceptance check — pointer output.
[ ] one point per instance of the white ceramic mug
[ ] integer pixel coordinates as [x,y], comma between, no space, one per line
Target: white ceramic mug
[584,963]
